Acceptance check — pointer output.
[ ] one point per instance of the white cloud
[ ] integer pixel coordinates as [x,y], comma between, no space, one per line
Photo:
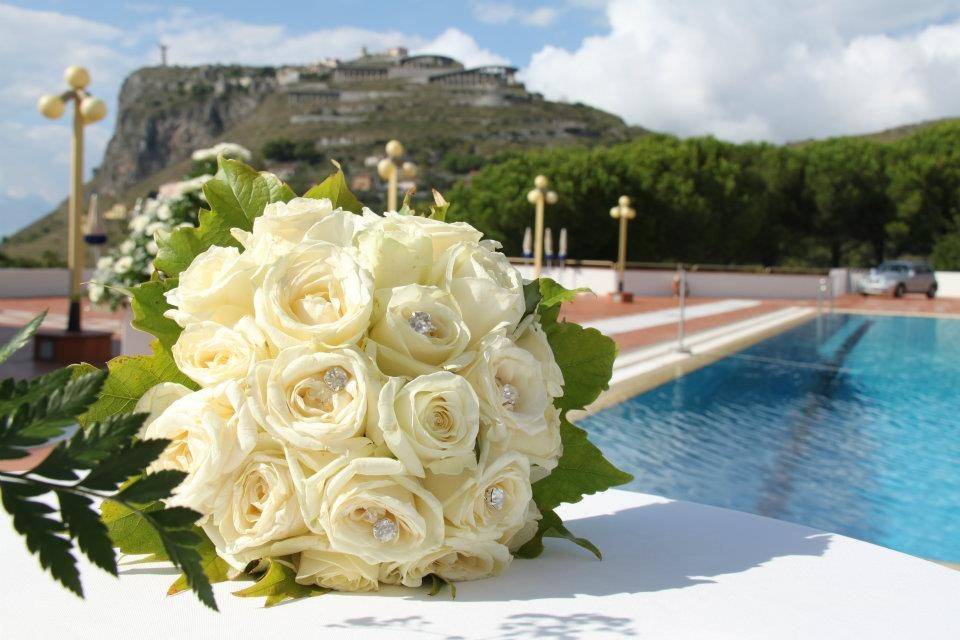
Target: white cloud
[506,13]
[463,47]
[775,71]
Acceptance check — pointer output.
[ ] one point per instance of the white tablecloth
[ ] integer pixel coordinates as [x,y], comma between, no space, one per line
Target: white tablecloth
[670,570]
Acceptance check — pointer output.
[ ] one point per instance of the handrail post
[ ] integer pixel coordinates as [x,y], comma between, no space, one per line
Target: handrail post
[682,325]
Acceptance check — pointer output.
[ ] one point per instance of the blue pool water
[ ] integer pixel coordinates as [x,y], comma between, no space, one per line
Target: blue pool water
[846,423]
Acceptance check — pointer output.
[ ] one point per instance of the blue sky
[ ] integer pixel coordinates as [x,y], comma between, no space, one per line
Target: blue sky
[737,69]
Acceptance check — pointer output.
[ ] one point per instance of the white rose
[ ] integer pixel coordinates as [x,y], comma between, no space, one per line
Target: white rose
[489,503]
[339,571]
[395,252]
[542,449]
[207,442]
[418,330]
[317,293]
[509,382]
[374,510]
[314,400]
[525,534]
[216,286]
[431,422]
[209,353]
[156,400]
[458,559]
[530,336]
[255,507]
[487,287]
[442,235]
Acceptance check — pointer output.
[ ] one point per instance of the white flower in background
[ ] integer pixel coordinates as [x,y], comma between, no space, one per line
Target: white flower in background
[255,506]
[432,421]
[395,253]
[153,227]
[418,330]
[127,247]
[156,400]
[316,293]
[339,571]
[489,502]
[531,337]
[487,288]
[207,442]
[139,223]
[209,353]
[123,264]
[163,212]
[105,263]
[442,235]
[216,286]
[373,509]
[509,382]
[95,291]
[315,400]
[225,149]
[152,248]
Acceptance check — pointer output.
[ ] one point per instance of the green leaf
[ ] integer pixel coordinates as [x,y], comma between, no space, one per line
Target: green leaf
[438,210]
[178,248]
[121,465]
[585,357]
[278,190]
[176,517]
[581,470]
[181,546]
[553,293]
[102,439]
[153,486]
[531,296]
[130,377]
[87,529]
[130,533]
[335,188]
[148,305]
[21,338]
[438,584]
[551,526]
[14,393]
[278,584]
[44,535]
[237,191]
[214,567]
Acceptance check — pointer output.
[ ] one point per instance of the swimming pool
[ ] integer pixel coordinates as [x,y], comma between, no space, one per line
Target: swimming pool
[847,423]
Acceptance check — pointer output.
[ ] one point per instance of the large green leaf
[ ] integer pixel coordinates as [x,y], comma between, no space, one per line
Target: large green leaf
[278,190]
[237,191]
[21,337]
[130,377]
[335,188]
[278,584]
[130,533]
[581,470]
[149,305]
[586,358]
[551,526]
[179,247]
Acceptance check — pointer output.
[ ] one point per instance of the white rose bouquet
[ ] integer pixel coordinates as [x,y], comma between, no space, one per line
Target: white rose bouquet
[356,400]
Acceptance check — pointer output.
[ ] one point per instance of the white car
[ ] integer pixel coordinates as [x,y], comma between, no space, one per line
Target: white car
[898,277]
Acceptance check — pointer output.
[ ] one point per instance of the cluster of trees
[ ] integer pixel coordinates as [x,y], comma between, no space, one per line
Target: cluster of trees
[842,201]
[287,150]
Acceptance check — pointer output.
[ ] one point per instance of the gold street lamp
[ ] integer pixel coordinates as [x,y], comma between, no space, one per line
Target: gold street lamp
[86,110]
[623,212]
[391,167]
[538,197]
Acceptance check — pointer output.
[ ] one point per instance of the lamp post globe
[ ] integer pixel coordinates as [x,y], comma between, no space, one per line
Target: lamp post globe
[551,197]
[395,149]
[51,106]
[77,77]
[409,170]
[624,201]
[385,168]
[93,109]
[541,182]
[533,195]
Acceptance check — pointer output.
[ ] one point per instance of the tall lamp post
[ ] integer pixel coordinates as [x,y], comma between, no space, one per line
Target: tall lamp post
[86,110]
[624,213]
[538,197]
[390,169]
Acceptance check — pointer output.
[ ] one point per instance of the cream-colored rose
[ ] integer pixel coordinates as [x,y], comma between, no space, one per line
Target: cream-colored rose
[489,503]
[542,449]
[442,235]
[207,442]
[509,382]
[431,421]
[284,225]
[530,336]
[374,509]
[339,571]
[471,559]
[395,252]
[156,400]
[488,289]
[314,400]
[255,506]
[416,330]
[316,294]
[209,353]
[531,523]
[217,286]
